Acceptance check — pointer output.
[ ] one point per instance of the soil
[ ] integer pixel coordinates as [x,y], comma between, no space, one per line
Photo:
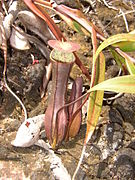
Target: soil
[111,152]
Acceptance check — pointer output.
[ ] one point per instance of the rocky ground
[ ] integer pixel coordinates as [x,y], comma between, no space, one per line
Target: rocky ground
[111,152]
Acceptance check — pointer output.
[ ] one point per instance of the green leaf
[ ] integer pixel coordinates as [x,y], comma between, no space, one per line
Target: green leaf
[129,62]
[114,39]
[78,28]
[126,46]
[95,100]
[124,84]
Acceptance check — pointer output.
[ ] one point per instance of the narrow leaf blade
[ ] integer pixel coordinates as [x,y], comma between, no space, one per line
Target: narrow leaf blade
[126,46]
[96,97]
[124,84]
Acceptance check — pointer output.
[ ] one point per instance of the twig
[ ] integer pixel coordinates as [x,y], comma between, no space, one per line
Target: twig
[4,7]
[110,7]
[16,97]
[119,15]
[127,12]
[114,97]
[125,20]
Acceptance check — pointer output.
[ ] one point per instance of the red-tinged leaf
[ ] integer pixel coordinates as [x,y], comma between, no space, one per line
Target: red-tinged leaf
[64,46]
[79,18]
[96,97]
[43,15]
[44,3]
[73,24]
[74,18]
[95,102]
